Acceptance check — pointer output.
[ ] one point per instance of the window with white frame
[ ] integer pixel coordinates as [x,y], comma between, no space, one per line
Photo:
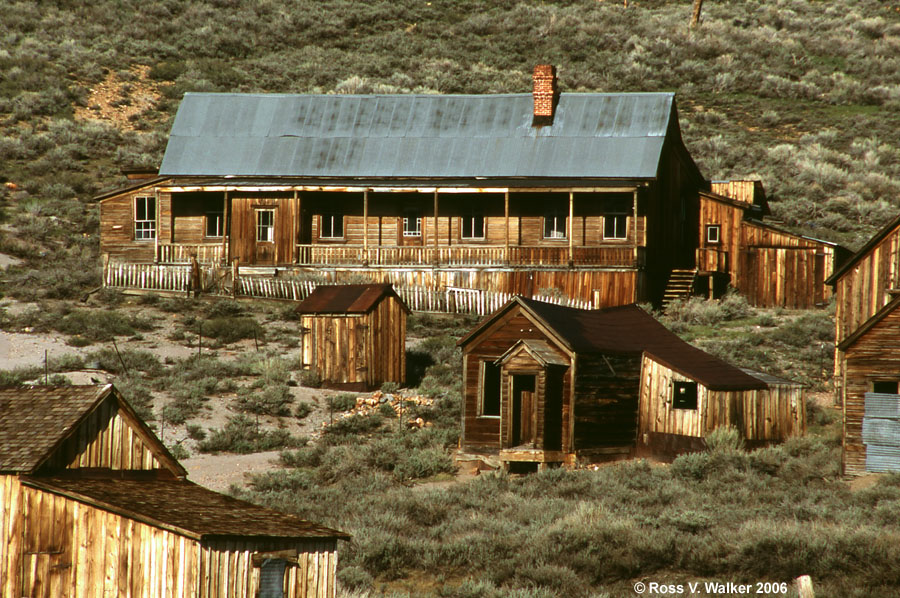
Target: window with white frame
[472,226]
[412,223]
[144,218]
[615,226]
[555,225]
[265,226]
[332,226]
[713,233]
[215,224]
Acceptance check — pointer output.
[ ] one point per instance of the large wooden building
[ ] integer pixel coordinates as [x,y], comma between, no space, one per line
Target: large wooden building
[500,192]
[551,384]
[354,336]
[92,504]
[866,288]
[770,266]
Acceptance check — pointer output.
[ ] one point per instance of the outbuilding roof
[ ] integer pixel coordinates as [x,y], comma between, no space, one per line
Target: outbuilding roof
[183,507]
[419,136]
[628,329]
[35,420]
[347,298]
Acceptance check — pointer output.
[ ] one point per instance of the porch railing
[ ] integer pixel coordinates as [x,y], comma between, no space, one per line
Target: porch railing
[181,253]
[519,255]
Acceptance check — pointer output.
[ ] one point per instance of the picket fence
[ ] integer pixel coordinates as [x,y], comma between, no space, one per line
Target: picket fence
[169,278]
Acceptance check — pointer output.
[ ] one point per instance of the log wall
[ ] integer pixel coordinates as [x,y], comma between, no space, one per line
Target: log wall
[56,546]
[875,356]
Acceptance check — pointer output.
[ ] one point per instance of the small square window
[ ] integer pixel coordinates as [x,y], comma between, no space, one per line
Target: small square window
[215,224]
[615,226]
[684,395]
[472,226]
[888,387]
[332,226]
[555,225]
[713,233]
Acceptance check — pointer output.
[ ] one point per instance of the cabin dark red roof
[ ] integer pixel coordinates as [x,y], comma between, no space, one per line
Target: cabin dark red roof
[347,298]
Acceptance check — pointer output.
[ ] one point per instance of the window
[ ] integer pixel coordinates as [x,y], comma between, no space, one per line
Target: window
[490,388]
[271,578]
[888,387]
[265,226]
[215,224]
[685,395]
[412,223]
[555,225]
[615,226]
[144,218]
[713,233]
[332,226]
[472,226]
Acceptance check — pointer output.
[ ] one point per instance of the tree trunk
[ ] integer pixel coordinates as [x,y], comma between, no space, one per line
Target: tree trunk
[695,14]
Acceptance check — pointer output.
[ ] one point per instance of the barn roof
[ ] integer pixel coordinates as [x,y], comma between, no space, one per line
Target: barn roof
[183,507]
[615,135]
[347,299]
[628,329]
[35,420]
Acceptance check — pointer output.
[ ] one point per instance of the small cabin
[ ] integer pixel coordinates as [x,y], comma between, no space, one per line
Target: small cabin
[354,335]
[92,504]
[679,407]
[550,384]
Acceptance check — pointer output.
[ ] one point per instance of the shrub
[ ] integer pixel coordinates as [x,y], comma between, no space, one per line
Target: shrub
[303,409]
[195,432]
[228,330]
[242,435]
[341,402]
[310,379]
[273,399]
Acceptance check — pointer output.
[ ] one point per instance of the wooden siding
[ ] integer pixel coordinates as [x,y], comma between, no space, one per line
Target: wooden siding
[242,234]
[875,356]
[61,547]
[771,414]
[606,400]
[107,439]
[483,432]
[117,226]
[357,349]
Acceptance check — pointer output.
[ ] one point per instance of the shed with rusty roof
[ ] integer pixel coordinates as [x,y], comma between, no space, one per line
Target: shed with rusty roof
[354,335]
[552,384]
[92,503]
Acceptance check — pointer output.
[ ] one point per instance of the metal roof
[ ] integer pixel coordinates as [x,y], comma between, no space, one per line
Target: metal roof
[592,135]
[347,299]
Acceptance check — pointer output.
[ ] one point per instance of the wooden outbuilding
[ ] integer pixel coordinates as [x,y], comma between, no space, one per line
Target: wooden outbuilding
[551,384]
[354,335]
[770,266]
[92,504]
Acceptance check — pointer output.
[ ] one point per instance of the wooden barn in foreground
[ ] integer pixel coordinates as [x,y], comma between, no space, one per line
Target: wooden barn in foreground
[354,335]
[92,504]
[551,384]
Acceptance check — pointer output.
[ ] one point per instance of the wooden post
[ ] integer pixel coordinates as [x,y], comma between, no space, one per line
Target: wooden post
[634,218]
[294,228]
[695,13]
[436,226]
[365,260]
[225,228]
[156,225]
[506,220]
[805,586]
[571,228]
[195,276]
[234,277]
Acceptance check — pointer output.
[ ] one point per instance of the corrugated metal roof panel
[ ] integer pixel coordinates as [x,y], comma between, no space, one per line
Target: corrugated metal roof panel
[593,135]
[882,458]
[882,405]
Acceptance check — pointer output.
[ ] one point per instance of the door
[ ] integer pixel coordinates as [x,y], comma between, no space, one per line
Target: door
[523,409]
[265,236]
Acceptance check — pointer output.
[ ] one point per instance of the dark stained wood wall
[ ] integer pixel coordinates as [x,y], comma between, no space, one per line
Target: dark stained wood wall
[606,400]
[363,350]
[874,356]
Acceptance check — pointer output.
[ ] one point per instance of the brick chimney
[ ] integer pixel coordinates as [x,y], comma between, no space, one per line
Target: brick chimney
[545,94]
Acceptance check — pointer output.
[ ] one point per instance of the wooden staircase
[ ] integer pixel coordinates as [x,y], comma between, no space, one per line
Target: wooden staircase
[680,285]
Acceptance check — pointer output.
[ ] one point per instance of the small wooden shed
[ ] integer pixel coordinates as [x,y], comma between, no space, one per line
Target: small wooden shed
[92,504]
[551,384]
[354,335]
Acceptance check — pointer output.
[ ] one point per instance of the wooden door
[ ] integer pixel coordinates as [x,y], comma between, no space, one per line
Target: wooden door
[265,248]
[523,410]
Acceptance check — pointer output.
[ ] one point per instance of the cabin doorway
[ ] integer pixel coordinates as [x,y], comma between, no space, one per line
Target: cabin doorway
[265,236]
[523,409]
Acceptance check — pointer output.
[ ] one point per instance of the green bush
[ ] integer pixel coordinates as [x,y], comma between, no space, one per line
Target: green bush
[241,435]
[227,330]
[341,402]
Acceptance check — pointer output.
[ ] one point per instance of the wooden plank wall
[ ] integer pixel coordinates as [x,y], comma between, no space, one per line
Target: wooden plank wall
[875,356]
[775,413]
[117,227]
[729,217]
[484,432]
[606,400]
[388,343]
[105,439]
[242,240]
[11,536]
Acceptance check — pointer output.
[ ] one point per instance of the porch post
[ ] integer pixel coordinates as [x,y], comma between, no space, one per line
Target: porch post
[365,259]
[158,232]
[506,220]
[571,228]
[635,219]
[435,225]
[298,205]
[225,227]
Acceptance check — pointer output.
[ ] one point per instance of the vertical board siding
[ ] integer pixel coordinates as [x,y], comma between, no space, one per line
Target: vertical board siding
[106,439]
[606,400]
